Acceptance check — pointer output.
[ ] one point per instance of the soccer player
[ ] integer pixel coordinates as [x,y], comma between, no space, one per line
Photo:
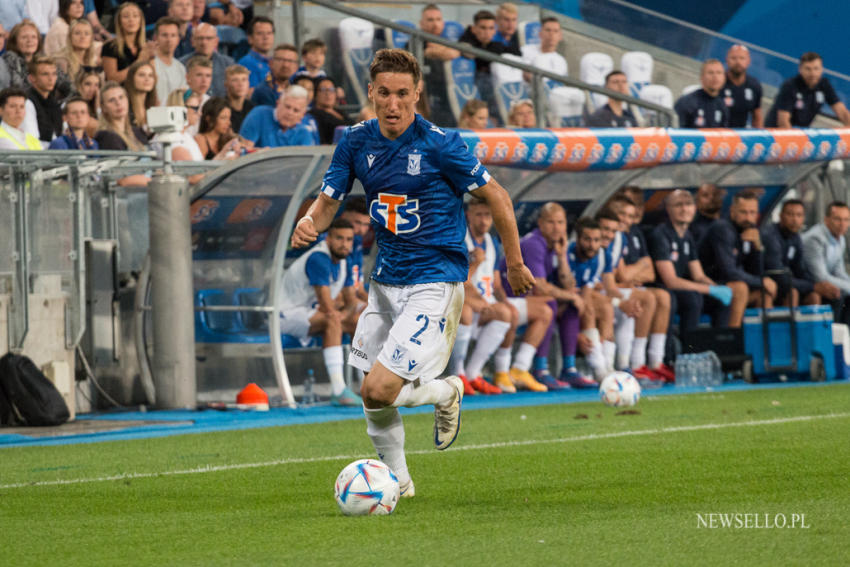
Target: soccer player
[414,175]
[310,291]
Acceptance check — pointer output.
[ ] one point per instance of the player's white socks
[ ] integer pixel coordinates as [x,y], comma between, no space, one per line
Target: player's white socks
[386,431]
[489,339]
[334,364]
[638,357]
[657,346]
[624,335]
[502,360]
[464,334]
[609,348]
[596,356]
[436,392]
[524,357]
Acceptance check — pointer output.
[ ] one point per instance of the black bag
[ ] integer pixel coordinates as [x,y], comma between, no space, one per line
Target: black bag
[27,397]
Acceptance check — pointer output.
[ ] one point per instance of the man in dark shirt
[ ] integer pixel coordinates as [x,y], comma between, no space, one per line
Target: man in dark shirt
[704,108]
[800,98]
[674,253]
[436,55]
[742,92]
[615,113]
[480,34]
[732,254]
[282,66]
[783,249]
[42,93]
[709,200]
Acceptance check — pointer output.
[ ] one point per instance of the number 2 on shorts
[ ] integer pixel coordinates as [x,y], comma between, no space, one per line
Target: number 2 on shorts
[414,338]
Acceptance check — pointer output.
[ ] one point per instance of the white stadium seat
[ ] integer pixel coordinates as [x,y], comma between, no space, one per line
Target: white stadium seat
[566,105]
[657,94]
[593,68]
[637,65]
[508,86]
[355,38]
[690,88]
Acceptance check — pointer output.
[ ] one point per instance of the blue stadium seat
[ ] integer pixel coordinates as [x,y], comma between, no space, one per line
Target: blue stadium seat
[396,38]
[213,326]
[452,30]
[529,33]
[460,83]
[508,86]
[232,41]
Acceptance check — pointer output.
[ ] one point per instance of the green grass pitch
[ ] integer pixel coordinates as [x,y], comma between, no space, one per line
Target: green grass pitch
[553,485]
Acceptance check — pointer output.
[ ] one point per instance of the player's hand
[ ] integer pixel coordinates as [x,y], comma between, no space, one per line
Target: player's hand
[476,257]
[520,278]
[631,307]
[769,286]
[752,235]
[578,303]
[560,246]
[584,344]
[304,233]
[828,290]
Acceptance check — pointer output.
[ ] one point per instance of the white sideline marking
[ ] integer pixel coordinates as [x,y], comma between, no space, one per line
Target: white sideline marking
[503,444]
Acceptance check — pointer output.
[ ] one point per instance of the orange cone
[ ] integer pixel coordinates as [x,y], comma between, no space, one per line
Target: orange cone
[252,397]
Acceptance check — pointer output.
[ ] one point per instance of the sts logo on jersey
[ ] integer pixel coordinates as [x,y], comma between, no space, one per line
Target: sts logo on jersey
[395,213]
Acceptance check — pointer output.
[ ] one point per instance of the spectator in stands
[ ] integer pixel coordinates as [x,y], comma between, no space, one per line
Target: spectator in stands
[310,291]
[116,131]
[80,51]
[313,54]
[282,125]
[709,200]
[43,12]
[100,32]
[215,137]
[13,104]
[225,13]
[170,73]
[366,113]
[282,68]
[507,20]
[783,250]
[199,76]
[182,11]
[545,55]
[308,85]
[800,98]
[434,79]
[615,113]
[24,42]
[825,245]
[480,34]
[205,42]
[57,36]
[704,108]
[140,85]
[76,115]
[261,40]
[200,12]
[128,45]
[732,254]
[87,87]
[474,115]
[522,115]
[238,86]
[12,12]
[677,264]
[325,112]
[42,93]
[742,92]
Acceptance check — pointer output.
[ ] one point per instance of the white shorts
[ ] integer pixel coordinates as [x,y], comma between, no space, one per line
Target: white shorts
[409,329]
[296,322]
[521,305]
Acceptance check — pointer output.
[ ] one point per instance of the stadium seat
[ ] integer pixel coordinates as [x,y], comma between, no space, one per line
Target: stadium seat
[657,94]
[355,38]
[690,88]
[594,67]
[250,321]
[397,38]
[566,105]
[529,33]
[508,86]
[460,83]
[452,30]
[637,65]
[232,41]
[213,326]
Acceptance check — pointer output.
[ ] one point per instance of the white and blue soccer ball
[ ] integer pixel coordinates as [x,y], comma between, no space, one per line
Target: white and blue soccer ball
[366,488]
[619,390]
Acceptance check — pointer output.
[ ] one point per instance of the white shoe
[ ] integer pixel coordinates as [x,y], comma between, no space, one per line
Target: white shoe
[447,416]
[407,490]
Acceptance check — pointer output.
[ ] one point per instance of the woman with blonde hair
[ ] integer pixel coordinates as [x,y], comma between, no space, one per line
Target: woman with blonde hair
[57,35]
[522,115]
[140,85]
[129,44]
[116,132]
[474,115]
[87,87]
[80,52]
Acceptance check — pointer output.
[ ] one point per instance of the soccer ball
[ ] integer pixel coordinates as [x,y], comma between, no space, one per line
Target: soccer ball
[619,390]
[366,488]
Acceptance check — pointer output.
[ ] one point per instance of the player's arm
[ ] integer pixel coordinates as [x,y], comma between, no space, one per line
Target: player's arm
[841,112]
[519,276]
[318,218]
[349,297]
[783,119]
[758,119]
[326,302]
[641,271]
[498,290]
[667,274]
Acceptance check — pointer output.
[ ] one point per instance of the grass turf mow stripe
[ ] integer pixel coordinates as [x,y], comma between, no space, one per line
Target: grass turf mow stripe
[477,447]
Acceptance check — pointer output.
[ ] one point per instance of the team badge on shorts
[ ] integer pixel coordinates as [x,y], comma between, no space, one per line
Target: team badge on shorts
[414,163]
[399,354]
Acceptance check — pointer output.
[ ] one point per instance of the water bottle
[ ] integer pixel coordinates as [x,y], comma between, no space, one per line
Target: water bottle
[309,397]
[716,370]
[703,370]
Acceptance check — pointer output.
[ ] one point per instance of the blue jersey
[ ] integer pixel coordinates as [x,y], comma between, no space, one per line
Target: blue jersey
[262,128]
[617,248]
[414,186]
[589,272]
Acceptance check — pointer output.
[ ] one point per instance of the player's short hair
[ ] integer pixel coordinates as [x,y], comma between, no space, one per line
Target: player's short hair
[676,193]
[586,223]
[198,61]
[613,73]
[620,199]
[549,20]
[10,92]
[313,45]
[235,69]
[633,192]
[829,207]
[71,100]
[508,7]
[708,62]
[166,21]
[476,200]
[607,213]
[32,66]
[790,202]
[394,60]
[429,7]
[355,204]
[286,47]
[340,223]
[483,15]
[258,20]
[745,195]
[810,56]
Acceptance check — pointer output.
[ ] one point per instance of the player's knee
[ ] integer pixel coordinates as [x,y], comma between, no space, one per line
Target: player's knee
[376,393]
[662,299]
[543,313]
[503,312]
[740,290]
